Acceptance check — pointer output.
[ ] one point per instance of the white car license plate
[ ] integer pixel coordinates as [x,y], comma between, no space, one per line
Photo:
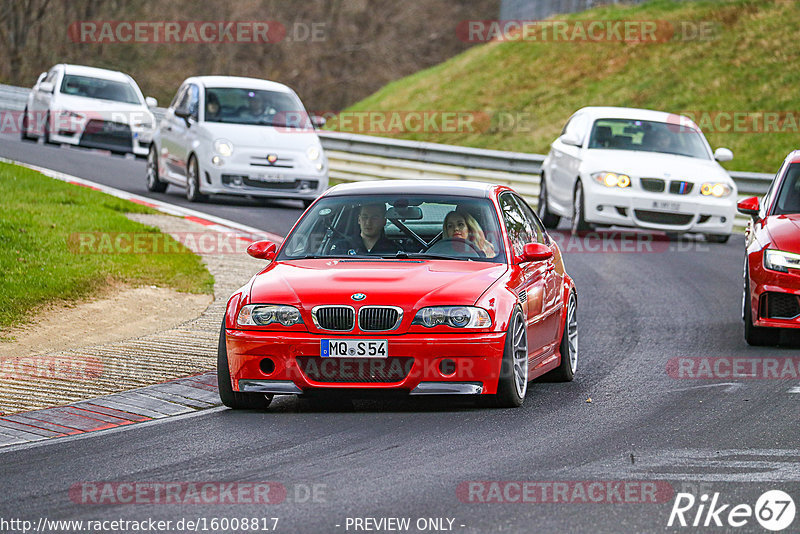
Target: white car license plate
[354,348]
[666,205]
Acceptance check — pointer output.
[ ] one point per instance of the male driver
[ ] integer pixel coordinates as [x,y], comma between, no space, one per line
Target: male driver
[372,239]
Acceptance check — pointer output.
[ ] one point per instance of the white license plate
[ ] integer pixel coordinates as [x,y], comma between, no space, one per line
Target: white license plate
[272,178]
[354,348]
[665,205]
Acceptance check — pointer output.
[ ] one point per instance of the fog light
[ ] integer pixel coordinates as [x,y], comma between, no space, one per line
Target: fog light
[267,366]
[447,367]
[218,161]
[237,180]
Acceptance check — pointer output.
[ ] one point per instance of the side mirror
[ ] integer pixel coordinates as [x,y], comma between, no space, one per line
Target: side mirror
[46,87]
[749,206]
[151,102]
[570,138]
[262,250]
[535,252]
[723,154]
[318,121]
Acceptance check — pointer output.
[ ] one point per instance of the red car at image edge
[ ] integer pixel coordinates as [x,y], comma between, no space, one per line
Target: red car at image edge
[771,296]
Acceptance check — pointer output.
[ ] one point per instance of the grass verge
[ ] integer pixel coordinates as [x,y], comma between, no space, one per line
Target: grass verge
[37,217]
[529,89]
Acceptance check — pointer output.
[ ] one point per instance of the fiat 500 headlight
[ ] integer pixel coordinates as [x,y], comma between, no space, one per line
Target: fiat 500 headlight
[313,153]
[223,147]
[777,260]
[455,316]
[265,314]
[612,179]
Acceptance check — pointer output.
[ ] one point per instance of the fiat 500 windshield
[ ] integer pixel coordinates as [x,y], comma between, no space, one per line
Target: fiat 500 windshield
[423,227]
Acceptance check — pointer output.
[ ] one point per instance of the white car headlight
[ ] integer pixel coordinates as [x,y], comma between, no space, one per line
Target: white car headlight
[265,314]
[716,189]
[777,260]
[612,179]
[455,316]
[223,147]
[313,153]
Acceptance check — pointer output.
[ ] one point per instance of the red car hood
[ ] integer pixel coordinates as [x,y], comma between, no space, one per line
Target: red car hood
[784,231]
[406,283]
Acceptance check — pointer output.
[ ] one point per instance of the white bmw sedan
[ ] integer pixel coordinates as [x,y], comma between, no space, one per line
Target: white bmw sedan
[637,168]
[86,106]
[237,136]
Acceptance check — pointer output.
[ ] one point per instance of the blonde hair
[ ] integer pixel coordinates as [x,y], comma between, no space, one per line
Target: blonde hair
[474,232]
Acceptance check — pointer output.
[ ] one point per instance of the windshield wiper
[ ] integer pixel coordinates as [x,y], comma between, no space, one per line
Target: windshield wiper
[428,255]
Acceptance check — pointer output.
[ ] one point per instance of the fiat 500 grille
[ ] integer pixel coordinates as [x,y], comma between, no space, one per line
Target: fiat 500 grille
[355,370]
[339,318]
[781,305]
[377,318]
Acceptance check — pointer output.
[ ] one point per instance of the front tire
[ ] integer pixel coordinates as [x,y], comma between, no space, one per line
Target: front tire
[579,223]
[717,238]
[230,398]
[513,383]
[154,183]
[46,134]
[193,193]
[549,219]
[565,372]
[757,336]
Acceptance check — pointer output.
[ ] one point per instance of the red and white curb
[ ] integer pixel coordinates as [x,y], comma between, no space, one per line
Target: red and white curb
[211,222]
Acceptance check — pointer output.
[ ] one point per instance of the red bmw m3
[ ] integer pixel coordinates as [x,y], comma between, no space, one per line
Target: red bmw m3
[771,297]
[404,287]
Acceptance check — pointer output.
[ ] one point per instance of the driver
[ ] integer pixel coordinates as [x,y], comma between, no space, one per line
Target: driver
[461,225]
[255,106]
[212,107]
[372,238]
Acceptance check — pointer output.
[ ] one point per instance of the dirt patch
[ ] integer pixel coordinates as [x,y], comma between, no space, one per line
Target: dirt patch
[121,312]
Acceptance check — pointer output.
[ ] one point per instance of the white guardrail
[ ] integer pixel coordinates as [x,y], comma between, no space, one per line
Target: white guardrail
[354,157]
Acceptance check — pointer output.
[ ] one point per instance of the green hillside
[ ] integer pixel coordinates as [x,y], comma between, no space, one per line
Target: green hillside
[747,64]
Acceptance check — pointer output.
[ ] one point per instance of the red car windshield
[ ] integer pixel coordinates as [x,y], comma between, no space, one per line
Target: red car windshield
[789,196]
[413,226]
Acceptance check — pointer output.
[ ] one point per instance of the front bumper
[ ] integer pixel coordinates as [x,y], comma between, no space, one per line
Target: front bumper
[294,364]
[659,211]
[116,137]
[775,296]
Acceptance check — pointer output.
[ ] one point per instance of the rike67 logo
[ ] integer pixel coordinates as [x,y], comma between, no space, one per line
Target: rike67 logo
[774,510]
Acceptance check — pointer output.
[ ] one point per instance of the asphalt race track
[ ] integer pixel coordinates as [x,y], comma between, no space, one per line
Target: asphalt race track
[627,418]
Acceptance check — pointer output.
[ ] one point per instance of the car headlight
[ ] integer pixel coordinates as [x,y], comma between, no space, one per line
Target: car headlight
[777,260]
[265,314]
[716,189]
[223,147]
[455,316]
[313,153]
[612,179]
[70,115]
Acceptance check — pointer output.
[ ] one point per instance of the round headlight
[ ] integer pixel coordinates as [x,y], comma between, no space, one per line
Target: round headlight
[223,147]
[288,316]
[433,316]
[313,153]
[459,317]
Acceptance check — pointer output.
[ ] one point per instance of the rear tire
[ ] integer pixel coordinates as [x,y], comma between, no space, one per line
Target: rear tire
[565,372]
[757,336]
[230,398]
[154,183]
[513,383]
[549,219]
[579,223]
[23,129]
